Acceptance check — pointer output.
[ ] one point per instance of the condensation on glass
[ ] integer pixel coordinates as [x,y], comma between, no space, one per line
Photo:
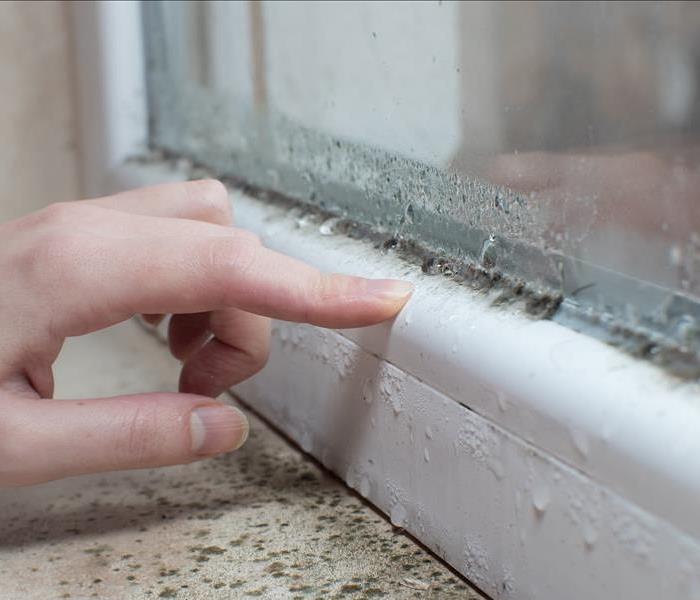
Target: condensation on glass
[558,143]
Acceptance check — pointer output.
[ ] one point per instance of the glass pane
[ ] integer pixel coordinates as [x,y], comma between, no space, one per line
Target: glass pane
[550,147]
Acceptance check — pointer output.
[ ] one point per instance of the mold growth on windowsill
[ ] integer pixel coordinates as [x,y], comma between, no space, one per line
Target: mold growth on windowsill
[486,277]
[481,275]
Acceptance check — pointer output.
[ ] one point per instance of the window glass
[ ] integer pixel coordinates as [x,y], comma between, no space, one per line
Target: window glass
[551,146]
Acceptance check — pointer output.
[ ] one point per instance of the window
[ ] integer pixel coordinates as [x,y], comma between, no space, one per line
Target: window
[545,150]
[549,147]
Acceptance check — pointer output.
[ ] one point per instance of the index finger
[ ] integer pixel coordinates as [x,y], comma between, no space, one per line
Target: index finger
[113,277]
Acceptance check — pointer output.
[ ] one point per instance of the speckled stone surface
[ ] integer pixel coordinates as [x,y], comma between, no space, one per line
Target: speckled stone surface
[264,522]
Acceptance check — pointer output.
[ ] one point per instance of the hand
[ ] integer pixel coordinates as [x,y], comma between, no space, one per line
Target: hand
[77,267]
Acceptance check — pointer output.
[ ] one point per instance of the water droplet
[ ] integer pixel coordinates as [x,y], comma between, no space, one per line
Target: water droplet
[590,535]
[426,455]
[396,405]
[373,422]
[365,486]
[328,226]
[540,498]
[497,468]
[350,478]
[303,221]
[675,255]
[487,256]
[398,515]
[429,432]
[454,349]
[367,391]
[306,442]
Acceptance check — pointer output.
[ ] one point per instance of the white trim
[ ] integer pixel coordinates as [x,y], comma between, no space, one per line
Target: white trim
[619,420]
[575,470]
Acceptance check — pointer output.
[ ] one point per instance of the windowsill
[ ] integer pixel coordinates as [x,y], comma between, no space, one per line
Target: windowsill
[534,459]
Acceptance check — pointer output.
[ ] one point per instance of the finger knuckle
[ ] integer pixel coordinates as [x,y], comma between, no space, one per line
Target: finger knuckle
[327,287]
[61,213]
[55,247]
[237,252]
[53,213]
[49,258]
[212,198]
[137,440]
[213,189]
[258,356]
[64,254]
[57,243]
[321,289]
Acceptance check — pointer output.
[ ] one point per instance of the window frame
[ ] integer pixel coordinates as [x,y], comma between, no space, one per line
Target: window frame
[600,428]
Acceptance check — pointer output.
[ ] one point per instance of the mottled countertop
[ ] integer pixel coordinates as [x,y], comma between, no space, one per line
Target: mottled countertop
[265,522]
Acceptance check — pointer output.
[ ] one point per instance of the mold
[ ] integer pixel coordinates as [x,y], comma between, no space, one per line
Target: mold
[493,265]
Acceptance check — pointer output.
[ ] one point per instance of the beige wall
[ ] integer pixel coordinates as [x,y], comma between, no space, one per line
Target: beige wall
[38,158]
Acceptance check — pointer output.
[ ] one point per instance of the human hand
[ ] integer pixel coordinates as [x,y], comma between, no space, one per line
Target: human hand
[77,267]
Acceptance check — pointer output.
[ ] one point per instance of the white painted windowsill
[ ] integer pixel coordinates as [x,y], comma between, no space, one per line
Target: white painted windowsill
[539,462]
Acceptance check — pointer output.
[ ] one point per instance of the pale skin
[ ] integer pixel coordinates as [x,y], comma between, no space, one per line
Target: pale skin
[78,267]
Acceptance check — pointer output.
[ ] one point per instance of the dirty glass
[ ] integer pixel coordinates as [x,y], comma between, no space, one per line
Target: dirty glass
[553,147]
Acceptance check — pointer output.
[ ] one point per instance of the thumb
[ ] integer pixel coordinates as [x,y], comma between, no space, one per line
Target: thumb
[41,440]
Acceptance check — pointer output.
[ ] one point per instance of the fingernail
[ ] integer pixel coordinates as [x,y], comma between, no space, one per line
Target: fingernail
[389,289]
[217,428]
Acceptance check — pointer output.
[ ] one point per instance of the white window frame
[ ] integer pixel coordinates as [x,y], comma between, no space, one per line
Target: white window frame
[539,462]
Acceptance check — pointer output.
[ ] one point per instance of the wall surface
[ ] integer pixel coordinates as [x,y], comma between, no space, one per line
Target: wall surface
[38,155]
